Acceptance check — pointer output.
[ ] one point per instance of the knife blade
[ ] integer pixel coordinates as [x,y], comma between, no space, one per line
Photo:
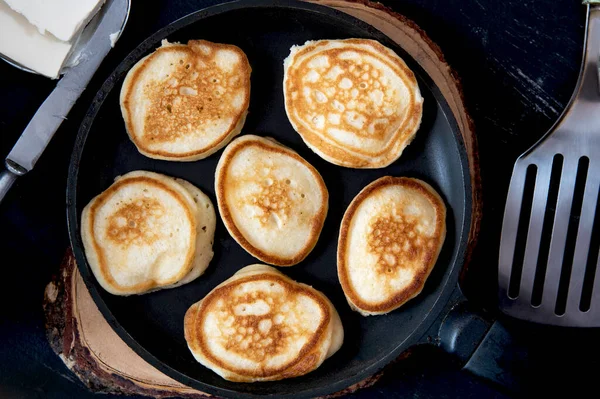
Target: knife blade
[46,121]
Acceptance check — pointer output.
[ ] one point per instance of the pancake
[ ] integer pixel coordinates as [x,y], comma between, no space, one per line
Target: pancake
[148,231]
[390,239]
[260,325]
[272,201]
[354,102]
[185,102]
[206,221]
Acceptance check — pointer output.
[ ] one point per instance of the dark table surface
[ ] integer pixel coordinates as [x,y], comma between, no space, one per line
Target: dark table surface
[518,61]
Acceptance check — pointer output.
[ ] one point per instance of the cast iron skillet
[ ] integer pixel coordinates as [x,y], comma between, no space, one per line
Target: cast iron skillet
[152,324]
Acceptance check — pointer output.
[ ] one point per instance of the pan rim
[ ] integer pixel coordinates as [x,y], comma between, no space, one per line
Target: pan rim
[449,283]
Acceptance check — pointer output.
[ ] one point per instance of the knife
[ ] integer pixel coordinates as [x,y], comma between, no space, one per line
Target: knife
[53,111]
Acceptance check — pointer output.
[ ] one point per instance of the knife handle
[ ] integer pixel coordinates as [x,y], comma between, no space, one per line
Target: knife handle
[8,177]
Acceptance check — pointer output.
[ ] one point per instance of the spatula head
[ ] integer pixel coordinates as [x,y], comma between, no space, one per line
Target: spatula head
[551,235]
[549,266]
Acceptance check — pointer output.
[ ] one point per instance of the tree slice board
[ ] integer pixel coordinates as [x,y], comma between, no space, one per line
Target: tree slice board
[85,341]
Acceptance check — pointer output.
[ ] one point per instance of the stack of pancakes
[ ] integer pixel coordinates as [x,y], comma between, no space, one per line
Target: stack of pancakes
[148,231]
[356,104]
[260,325]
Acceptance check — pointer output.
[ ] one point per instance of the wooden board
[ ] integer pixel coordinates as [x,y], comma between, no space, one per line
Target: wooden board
[87,344]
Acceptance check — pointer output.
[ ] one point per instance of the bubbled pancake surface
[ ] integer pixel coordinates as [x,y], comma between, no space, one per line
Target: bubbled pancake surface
[354,102]
[272,201]
[389,241]
[259,325]
[184,102]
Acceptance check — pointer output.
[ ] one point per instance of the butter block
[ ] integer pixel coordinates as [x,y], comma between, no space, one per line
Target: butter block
[23,43]
[62,18]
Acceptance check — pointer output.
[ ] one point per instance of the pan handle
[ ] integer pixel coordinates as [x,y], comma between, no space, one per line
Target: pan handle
[484,347]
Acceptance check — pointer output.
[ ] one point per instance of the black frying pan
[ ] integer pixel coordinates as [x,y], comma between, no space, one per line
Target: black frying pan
[152,324]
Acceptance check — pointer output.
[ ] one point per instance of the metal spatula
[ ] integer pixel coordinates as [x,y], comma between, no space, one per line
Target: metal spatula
[549,267]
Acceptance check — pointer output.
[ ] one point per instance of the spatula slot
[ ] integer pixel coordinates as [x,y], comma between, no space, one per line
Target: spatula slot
[542,262]
[565,276]
[591,264]
[524,217]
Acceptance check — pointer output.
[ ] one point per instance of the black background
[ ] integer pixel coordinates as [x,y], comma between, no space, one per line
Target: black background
[518,61]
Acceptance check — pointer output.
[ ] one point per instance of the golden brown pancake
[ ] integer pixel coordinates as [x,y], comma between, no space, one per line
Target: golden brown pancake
[184,102]
[148,231]
[260,325]
[354,102]
[272,201]
[390,239]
